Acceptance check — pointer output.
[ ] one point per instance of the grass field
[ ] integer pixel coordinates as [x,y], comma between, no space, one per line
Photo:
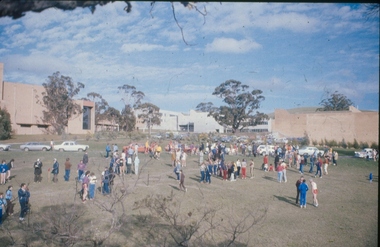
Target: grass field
[347,214]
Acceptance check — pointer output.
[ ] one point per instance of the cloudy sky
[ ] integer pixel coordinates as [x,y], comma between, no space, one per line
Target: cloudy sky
[295,53]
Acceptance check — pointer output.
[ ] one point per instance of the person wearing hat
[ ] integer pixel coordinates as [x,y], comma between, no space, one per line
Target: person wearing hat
[37,171]
[55,170]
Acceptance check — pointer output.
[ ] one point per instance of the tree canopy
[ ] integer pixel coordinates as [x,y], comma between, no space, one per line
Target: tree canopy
[150,114]
[241,103]
[5,124]
[335,102]
[58,99]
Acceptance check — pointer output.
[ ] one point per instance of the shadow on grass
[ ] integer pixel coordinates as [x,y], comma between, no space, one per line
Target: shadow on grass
[289,200]
[170,165]
[172,177]
[196,178]
[174,187]
[270,178]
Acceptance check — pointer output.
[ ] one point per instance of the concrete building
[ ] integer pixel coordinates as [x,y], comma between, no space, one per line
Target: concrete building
[20,100]
[194,121]
[330,125]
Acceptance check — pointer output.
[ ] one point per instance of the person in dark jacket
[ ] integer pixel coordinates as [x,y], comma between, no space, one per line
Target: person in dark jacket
[55,170]
[37,171]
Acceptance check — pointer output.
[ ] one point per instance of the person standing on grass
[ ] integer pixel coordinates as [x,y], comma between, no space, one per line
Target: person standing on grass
[302,163]
[105,181]
[238,164]
[108,150]
[37,171]
[92,186]
[182,181]
[251,168]
[202,170]
[137,164]
[10,166]
[314,190]
[319,168]
[243,169]
[81,168]
[326,166]
[279,173]
[303,188]
[284,167]
[85,185]
[3,203]
[85,158]
[23,197]
[335,158]
[55,170]
[9,198]
[312,160]
[298,183]
[3,172]
[67,169]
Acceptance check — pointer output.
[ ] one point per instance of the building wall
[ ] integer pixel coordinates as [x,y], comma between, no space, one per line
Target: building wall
[334,125]
[26,114]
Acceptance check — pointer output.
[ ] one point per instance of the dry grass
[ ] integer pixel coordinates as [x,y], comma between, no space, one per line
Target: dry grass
[347,215]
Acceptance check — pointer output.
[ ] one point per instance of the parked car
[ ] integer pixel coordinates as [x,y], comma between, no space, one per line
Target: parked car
[364,153]
[243,139]
[5,147]
[265,149]
[157,136]
[226,139]
[70,146]
[35,146]
[309,151]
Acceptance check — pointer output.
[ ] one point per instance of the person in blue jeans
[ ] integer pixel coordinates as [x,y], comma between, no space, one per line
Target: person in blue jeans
[208,174]
[2,203]
[302,164]
[23,197]
[319,169]
[303,188]
[312,160]
[203,172]
[106,181]
[108,150]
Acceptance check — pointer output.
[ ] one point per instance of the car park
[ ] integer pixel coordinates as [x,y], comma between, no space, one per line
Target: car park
[35,146]
[308,150]
[70,146]
[364,153]
[5,147]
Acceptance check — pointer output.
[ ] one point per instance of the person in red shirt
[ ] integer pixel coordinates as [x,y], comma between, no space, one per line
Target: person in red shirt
[279,173]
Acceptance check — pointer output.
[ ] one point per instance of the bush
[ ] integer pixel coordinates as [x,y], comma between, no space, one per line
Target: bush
[374,145]
[350,145]
[343,144]
[5,125]
[364,145]
[315,143]
[356,144]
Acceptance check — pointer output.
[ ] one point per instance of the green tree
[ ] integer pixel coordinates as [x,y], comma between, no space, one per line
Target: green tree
[335,102]
[5,124]
[58,99]
[131,99]
[239,111]
[150,114]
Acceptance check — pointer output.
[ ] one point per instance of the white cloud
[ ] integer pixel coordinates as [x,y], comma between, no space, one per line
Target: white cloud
[145,47]
[229,45]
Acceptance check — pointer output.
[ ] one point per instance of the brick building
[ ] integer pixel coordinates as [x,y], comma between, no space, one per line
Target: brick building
[20,100]
[330,125]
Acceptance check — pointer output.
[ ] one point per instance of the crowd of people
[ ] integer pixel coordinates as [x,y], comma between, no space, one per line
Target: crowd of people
[212,163]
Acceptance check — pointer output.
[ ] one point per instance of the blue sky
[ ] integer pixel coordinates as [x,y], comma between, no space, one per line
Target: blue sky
[293,52]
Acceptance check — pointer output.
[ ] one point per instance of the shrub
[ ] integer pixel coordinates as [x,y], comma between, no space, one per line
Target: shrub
[343,144]
[315,142]
[374,145]
[350,145]
[364,145]
[5,125]
[356,144]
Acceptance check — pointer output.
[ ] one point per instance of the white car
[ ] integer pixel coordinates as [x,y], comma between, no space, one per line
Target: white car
[70,146]
[265,149]
[5,147]
[363,153]
[309,151]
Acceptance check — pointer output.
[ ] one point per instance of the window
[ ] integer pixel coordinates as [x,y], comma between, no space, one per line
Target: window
[86,118]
